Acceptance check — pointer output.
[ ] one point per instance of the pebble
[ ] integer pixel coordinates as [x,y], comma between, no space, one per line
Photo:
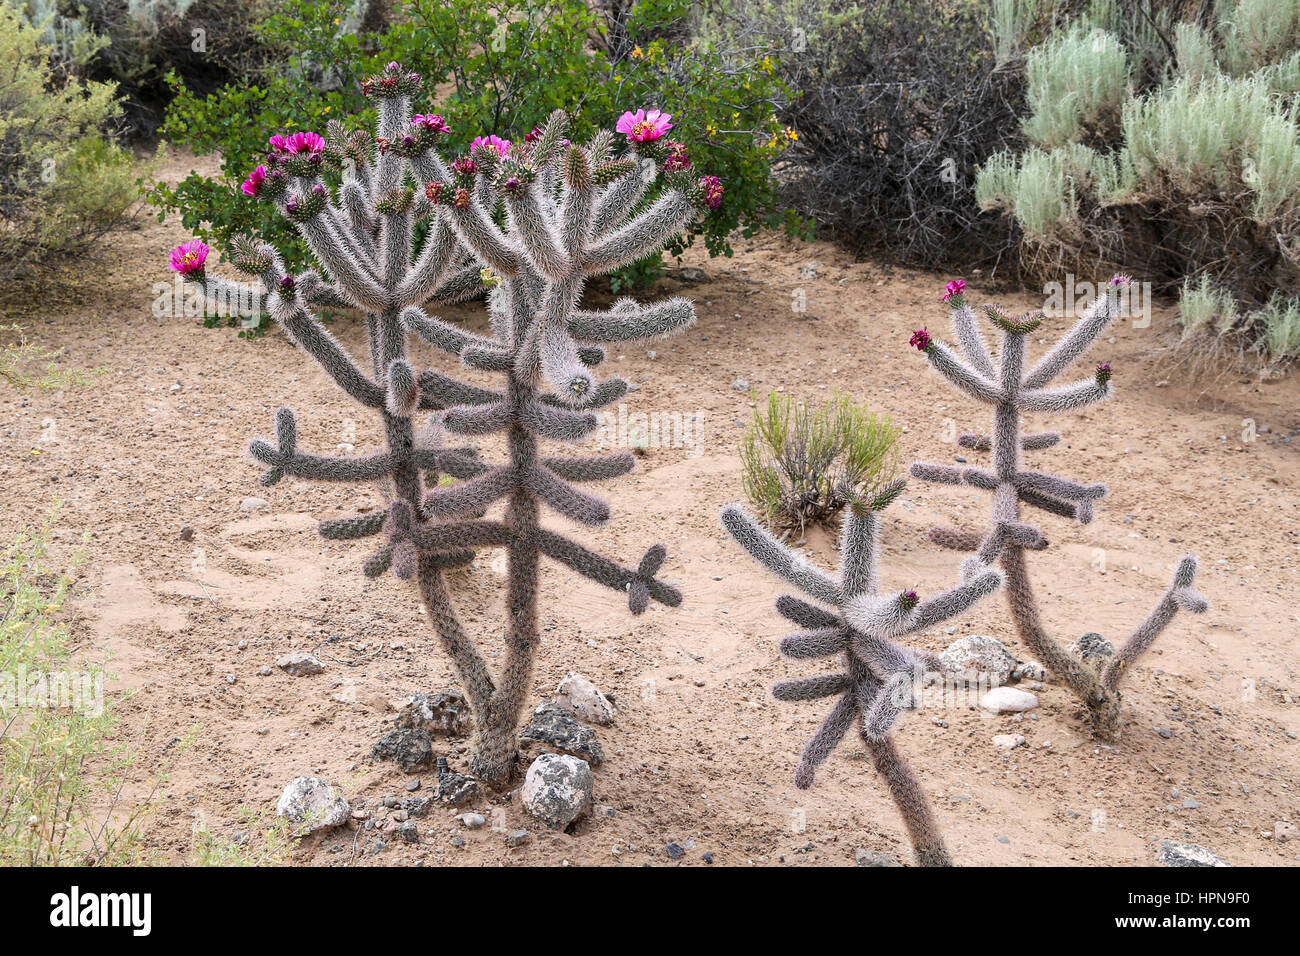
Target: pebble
[872,858]
[253,504]
[674,851]
[1008,741]
[299,664]
[740,385]
[517,837]
[471,820]
[409,749]
[1172,853]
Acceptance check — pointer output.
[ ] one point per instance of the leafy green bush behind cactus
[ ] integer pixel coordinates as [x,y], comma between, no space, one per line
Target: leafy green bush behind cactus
[497,67]
[62,183]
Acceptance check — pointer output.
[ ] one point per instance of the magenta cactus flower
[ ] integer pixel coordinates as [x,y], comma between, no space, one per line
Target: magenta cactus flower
[464,166]
[909,599]
[430,121]
[534,135]
[297,144]
[677,158]
[920,340]
[1120,281]
[953,290]
[1103,373]
[253,184]
[712,187]
[643,127]
[495,143]
[188,257]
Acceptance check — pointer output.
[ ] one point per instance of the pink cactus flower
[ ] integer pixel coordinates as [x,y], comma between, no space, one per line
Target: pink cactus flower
[712,187]
[643,127]
[920,340]
[254,181]
[430,121]
[677,158]
[464,166]
[300,143]
[953,290]
[495,143]
[1103,373]
[1120,281]
[278,144]
[909,599]
[534,135]
[188,257]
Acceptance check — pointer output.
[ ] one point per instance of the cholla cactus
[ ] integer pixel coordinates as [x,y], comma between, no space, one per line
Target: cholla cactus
[881,677]
[528,221]
[1012,391]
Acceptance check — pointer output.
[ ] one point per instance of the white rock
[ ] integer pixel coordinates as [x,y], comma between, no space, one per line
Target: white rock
[253,504]
[978,658]
[1002,700]
[1172,853]
[557,789]
[1283,831]
[472,820]
[580,697]
[310,803]
[1008,741]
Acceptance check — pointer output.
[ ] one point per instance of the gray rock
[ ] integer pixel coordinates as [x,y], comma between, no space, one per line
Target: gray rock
[1172,853]
[692,274]
[977,656]
[517,837]
[1029,670]
[1008,741]
[1002,700]
[472,820]
[675,851]
[582,699]
[1093,649]
[557,789]
[299,664]
[740,385]
[253,504]
[445,713]
[552,729]
[409,749]
[409,832]
[417,806]
[310,803]
[455,788]
[872,858]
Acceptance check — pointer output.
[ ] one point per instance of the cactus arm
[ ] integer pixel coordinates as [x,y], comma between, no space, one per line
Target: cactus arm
[822,642]
[966,329]
[462,534]
[617,200]
[599,468]
[537,236]
[471,497]
[347,529]
[564,498]
[955,540]
[777,558]
[946,362]
[956,600]
[438,391]
[1087,391]
[477,419]
[1180,595]
[1057,487]
[601,569]
[644,234]
[1074,343]
[804,614]
[826,739]
[436,332]
[482,236]
[316,340]
[635,323]
[557,423]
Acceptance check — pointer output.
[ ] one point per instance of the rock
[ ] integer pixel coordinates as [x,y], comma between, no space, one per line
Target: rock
[692,274]
[310,803]
[253,504]
[413,785]
[1283,831]
[472,820]
[552,728]
[1171,853]
[675,851]
[517,837]
[707,858]
[1093,649]
[740,385]
[187,533]
[455,788]
[299,664]
[409,832]
[872,858]
[557,789]
[417,806]
[581,698]
[1003,700]
[445,713]
[1165,732]
[1008,741]
[979,657]
[265,670]
[1029,670]
[409,749]
[1192,804]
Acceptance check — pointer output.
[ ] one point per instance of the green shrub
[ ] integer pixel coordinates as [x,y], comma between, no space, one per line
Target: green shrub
[62,183]
[499,66]
[60,776]
[1182,167]
[801,466]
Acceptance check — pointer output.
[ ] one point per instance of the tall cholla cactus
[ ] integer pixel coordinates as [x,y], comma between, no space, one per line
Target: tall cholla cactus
[1012,391]
[531,221]
[881,677]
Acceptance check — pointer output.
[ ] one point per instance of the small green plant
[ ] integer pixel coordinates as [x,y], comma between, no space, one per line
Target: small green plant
[802,465]
[61,779]
[261,841]
[26,365]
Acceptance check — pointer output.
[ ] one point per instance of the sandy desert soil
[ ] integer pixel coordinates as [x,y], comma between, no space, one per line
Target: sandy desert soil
[700,754]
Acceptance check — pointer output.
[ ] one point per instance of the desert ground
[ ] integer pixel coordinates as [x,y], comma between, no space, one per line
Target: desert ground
[700,755]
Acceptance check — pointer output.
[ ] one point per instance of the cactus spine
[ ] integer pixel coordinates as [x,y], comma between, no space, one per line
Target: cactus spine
[1012,391]
[881,677]
[529,223]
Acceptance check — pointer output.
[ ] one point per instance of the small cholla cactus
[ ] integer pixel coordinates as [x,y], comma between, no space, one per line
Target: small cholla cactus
[1012,391]
[881,677]
[527,223]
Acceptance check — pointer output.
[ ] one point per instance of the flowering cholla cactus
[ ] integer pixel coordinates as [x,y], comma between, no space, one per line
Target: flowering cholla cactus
[530,221]
[1012,392]
[881,677]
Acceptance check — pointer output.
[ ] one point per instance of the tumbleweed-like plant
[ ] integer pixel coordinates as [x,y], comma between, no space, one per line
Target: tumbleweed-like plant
[880,677]
[530,221]
[1012,392]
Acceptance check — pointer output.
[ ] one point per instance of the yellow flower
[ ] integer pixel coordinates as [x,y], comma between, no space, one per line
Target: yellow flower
[710,130]
[636,53]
